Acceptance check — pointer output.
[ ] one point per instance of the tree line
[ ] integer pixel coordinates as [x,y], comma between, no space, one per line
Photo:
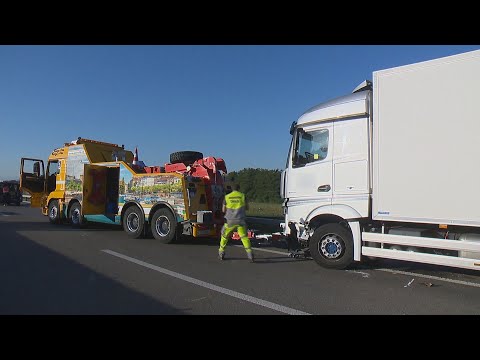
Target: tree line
[258,185]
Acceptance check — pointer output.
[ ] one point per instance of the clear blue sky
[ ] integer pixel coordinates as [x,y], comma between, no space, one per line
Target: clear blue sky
[229,101]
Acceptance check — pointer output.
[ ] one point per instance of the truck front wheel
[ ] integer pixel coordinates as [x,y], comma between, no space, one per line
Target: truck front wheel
[133,222]
[331,246]
[163,226]
[54,212]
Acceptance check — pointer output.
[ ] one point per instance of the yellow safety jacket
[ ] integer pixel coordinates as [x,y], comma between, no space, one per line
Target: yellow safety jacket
[235,206]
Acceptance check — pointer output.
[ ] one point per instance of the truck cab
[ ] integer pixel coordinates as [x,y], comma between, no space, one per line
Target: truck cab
[327,176]
[53,189]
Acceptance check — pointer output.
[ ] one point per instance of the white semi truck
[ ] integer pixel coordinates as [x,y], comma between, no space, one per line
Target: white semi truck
[391,170]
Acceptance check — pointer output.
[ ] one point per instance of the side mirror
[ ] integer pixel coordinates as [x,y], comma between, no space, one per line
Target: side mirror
[36,168]
[292,127]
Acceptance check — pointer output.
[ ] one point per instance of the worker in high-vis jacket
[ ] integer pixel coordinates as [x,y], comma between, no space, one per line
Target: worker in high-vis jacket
[234,206]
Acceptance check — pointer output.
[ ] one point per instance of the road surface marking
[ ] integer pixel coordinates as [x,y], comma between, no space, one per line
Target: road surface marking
[364,274]
[431,277]
[461,282]
[266,250]
[219,289]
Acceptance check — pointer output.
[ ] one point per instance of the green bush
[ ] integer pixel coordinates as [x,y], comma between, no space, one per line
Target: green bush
[258,185]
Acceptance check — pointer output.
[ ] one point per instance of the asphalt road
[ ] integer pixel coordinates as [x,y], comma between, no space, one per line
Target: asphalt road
[55,269]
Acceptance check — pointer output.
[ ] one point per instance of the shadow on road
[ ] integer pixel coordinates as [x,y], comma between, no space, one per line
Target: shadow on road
[38,281]
[47,226]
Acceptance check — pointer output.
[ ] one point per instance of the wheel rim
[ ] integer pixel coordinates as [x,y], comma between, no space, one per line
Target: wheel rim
[76,216]
[53,212]
[331,246]
[133,222]
[162,225]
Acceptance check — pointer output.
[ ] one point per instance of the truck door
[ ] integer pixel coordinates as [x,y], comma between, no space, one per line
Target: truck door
[310,165]
[32,180]
[94,189]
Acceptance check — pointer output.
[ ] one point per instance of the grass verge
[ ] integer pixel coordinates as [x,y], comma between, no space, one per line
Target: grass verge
[265,210]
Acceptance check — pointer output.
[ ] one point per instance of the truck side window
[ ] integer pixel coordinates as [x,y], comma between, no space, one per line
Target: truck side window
[311,146]
[289,152]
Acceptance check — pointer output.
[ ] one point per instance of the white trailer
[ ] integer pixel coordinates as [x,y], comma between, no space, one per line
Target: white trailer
[390,170]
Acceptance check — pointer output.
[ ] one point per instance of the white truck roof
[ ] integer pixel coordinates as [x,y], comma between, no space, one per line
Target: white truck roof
[342,107]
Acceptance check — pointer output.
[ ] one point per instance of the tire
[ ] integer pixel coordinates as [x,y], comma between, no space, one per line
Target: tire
[75,215]
[331,246]
[54,212]
[186,157]
[163,226]
[133,222]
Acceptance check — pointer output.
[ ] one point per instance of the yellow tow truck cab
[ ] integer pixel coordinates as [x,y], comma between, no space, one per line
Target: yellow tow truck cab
[89,181]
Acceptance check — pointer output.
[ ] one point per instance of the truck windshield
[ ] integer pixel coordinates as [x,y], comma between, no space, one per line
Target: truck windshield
[53,169]
[310,147]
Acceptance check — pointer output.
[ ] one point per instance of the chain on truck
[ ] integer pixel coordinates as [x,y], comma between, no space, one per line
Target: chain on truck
[389,171]
[94,181]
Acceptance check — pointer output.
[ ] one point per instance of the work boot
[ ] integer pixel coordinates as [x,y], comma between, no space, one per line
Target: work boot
[251,257]
[221,255]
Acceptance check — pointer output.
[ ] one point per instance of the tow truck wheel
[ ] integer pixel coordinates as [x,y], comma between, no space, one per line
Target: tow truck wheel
[133,222]
[53,212]
[331,246]
[75,215]
[163,226]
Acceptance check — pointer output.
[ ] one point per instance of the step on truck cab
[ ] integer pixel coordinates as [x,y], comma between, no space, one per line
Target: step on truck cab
[389,171]
[93,181]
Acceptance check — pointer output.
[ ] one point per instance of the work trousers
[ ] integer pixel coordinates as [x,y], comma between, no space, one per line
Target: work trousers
[227,232]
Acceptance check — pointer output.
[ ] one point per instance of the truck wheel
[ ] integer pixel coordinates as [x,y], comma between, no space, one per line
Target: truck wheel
[163,226]
[133,222]
[75,215]
[331,246]
[54,212]
[187,157]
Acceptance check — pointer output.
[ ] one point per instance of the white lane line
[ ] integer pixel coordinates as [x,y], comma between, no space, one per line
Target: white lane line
[461,282]
[266,250]
[431,277]
[219,289]
[364,274]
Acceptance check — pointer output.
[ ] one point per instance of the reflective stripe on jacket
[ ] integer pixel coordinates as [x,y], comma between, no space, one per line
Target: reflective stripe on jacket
[235,204]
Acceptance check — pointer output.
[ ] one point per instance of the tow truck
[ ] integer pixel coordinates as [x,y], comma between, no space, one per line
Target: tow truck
[94,181]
